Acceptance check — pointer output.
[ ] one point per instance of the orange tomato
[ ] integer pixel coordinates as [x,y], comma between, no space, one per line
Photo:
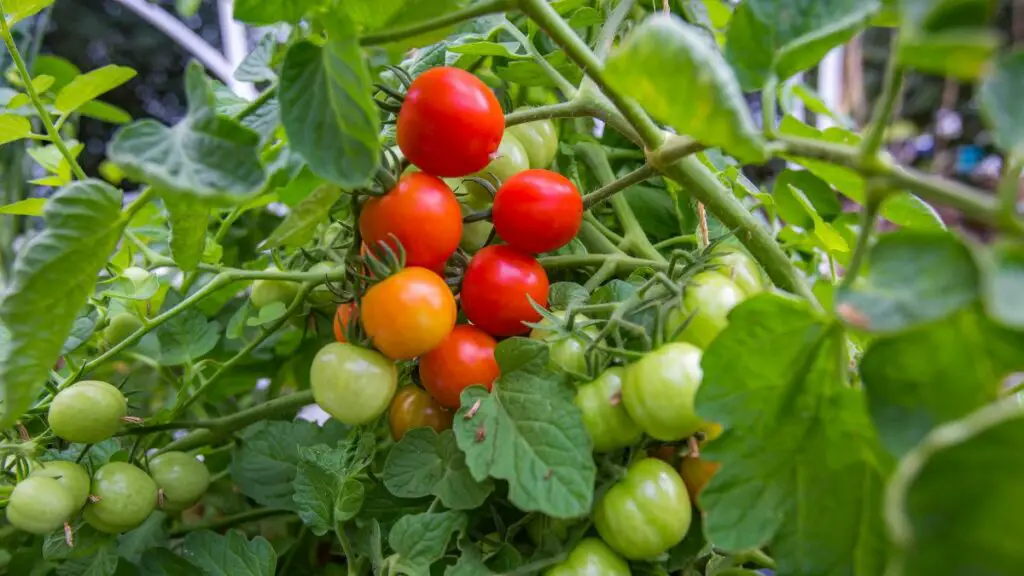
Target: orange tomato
[412,408]
[341,319]
[465,358]
[696,474]
[408,314]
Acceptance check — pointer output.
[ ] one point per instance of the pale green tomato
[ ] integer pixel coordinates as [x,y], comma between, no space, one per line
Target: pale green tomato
[87,412]
[121,326]
[39,505]
[352,384]
[321,297]
[540,140]
[266,292]
[707,301]
[740,268]
[474,234]
[511,159]
[125,497]
[659,391]
[591,557]
[138,276]
[182,477]
[567,352]
[73,477]
[604,415]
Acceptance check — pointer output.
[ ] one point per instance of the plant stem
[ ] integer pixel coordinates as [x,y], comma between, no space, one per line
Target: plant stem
[44,115]
[346,547]
[231,521]
[257,103]
[570,109]
[611,27]
[769,96]
[622,262]
[891,84]
[612,188]
[1009,188]
[868,213]
[674,148]
[564,85]
[473,11]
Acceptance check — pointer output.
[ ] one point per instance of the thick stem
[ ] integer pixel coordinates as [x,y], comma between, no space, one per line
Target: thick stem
[570,109]
[609,190]
[1009,188]
[891,84]
[623,263]
[564,85]
[769,99]
[482,8]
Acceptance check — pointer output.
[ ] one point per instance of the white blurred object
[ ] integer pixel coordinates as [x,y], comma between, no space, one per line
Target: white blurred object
[830,85]
[948,124]
[263,383]
[236,47]
[313,413]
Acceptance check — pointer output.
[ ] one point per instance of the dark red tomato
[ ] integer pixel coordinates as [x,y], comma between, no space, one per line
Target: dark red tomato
[495,289]
[450,123]
[465,358]
[537,211]
[422,212]
[413,408]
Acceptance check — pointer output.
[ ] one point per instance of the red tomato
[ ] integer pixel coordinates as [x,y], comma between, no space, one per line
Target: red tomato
[537,211]
[450,123]
[495,289]
[465,358]
[409,313]
[341,320]
[422,212]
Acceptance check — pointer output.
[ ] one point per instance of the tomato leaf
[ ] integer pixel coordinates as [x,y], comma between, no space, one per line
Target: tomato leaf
[672,71]
[188,219]
[962,54]
[26,207]
[796,436]
[151,534]
[266,12]
[326,491]
[13,127]
[88,541]
[258,64]
[90,86]
[562,295]
[53,276]
[101,561]
[213,554]
[422,539]
[17,10]
[528,431]
[1000,103]
[471,561]
[425,463]
[913,278]
[301,223]
[187,337]
[1003,283]
[327,109]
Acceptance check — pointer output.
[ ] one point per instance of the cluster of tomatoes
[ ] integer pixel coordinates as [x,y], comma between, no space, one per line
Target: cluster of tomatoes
[116,497]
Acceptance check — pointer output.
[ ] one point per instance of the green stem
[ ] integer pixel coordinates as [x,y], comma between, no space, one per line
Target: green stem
[230,521]
[608,233]
[891,84]
[258,103]
[468,13]
[44,115]
[611,27]
[769,97]
[675,148]
[570,109]
[684,239]
[1009,188]
[564,85]
[140,201]
[346,548]
[609,190]
[627,263]
[868,214]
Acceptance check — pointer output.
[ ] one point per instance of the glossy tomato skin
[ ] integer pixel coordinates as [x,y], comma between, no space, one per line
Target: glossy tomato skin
[659,391]
[537,211]
[475,234]
[39,505]
[739,267]
[412,408]
[352,384]
[121,326]
[422,212]
[127,496]
[645,513]
[464,359]
[496,287]
[73,477]
[591,557]
[182,478]
[89,411]
[708,298]
[450,123]
[567,352]
[540,140]
[696,473]
[510,159]
[266,292]
[342,317]
[606,419]
[409,313]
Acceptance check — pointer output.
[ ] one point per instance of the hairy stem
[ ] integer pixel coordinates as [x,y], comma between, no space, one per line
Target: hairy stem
[468,13]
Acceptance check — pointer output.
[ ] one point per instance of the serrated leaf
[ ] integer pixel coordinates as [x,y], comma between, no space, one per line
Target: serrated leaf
[53,276]
[187,337]
[90,86]
[102,562]
[13,127]
[381,506]
[163,562]
[17,10]
[794,210]
[528,431]
[188,219]
[1000,103]
[257,65]
[327,109]
[471,561]
[88,541]
[422,539]
[151,534]
[425,463]
[26,207]
[485,48]
[266,12]
[268,314]
[671,70]
[326,491]
[215,555]
[562,295]
[301,223]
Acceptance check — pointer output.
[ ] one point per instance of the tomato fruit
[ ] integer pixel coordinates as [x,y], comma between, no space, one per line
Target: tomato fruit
[450,123]
[606,419]
[321,297]
[342,316]
[591,557]
[422,212]
[127,496]
[567,352]
[645,513]
[121,326]
[708,298]
[88,412]
[696,474]
[352,384]
[412,408]
[740,268]
[409,313]
[182,478]
[475,234]
[540,140]
[73,477]
[659,390]
[266,292]
[537,211]
[510,159]
[39,505]
[464,359]
[495,288]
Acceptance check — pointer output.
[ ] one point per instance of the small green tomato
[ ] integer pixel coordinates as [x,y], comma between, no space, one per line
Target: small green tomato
[39,505]
[125,497]
[87,412]
[182,478]
[73,477]
[121,326]
[266,292]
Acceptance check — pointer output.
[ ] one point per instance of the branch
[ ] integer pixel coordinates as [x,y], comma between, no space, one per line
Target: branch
[482,8]
[603,193]
[883,108]
[627,263]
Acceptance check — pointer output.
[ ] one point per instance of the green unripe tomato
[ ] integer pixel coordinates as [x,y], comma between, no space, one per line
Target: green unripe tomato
[566,352]
[73,477]
[138,276]
[740,268]
[591,557]
[266,292]
[127,496]
[182,478]
[604,415]
[352,384]
[659,391]
[540,140]
[510,159]
[39,505]
[320,297]
[645,513]
[121,326]
[708,298]
[474,234]
[87,412]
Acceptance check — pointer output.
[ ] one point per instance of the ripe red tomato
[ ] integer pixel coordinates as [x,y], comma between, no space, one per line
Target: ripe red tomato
[409,313]
[537,211]
[422,212]
[341,319]
[413,408]
[450,123]
[495,289]
[465,358]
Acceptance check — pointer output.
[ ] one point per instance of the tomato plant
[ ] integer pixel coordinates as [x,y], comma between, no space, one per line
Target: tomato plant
[125,496]
[608,424]
[511,158]
[121,326]
[89,411]
[181,479]
[413,408]
[537,211]
[464,359]
[540,139]
[705,308]
[659,391]
[408,314]
[498,287]
[267,292]
[73,477]
[568,351]
[590,556]
[352,384]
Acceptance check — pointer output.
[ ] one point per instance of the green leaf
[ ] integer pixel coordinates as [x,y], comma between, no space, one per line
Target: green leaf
[528,431]
[484,48]
[936,373]
[393,14]
[817,192]
[204,156]
[962,54]
[965,478]
[163,562]
[327,109]
[301,223]
[188,219]
[266,12]
[913,278]
[88,541]
[13,127]
[268,314]
[1003,284]
[422,539]
[796,436]
[187,8]
[187,337]
[17,10]
[562,295]
[1000,103]
[326,491]
[939,15]
[53,276]
[90,86]
[671,70]
[106,112]
[151,534]
[654,208]
[471,562]
[27,207]
[784,37]
[102,562]
[258,64]
[425,463]
[214,554]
